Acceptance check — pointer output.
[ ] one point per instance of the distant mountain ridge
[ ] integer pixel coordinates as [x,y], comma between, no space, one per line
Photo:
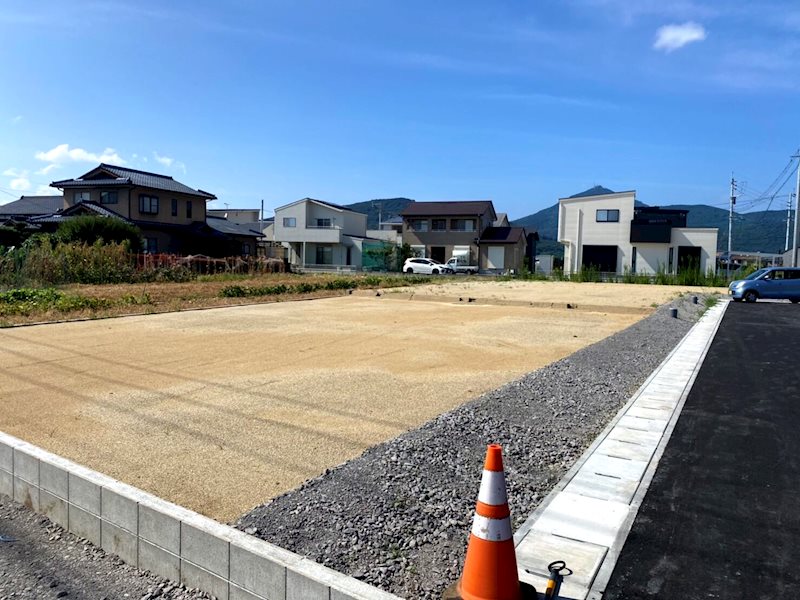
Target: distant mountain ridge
[383,207]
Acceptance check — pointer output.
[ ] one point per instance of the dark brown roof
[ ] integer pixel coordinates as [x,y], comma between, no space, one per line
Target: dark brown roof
[448,209]
[502,235]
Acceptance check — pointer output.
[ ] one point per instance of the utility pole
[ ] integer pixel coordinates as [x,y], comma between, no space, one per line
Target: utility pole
[788,220]
[796,199]
[730,224]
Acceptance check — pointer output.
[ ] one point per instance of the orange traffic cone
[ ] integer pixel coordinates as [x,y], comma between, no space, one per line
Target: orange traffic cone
[490,568]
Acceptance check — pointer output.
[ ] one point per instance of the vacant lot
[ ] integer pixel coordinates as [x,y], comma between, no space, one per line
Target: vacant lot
[219,410]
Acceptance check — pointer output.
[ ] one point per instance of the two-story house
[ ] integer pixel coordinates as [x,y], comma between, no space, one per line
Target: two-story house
[440,230]
[319,234]
[170,214]
[605,230]
[469,230]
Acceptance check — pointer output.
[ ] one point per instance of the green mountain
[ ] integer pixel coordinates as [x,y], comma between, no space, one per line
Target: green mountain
[762,231]
[385,207]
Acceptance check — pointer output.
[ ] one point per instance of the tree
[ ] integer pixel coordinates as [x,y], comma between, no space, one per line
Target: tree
[90,229]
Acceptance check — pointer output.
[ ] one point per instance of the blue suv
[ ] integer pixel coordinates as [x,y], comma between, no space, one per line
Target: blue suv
[776,283]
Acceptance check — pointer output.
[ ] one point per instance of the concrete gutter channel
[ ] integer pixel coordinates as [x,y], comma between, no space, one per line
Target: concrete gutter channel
[584,520]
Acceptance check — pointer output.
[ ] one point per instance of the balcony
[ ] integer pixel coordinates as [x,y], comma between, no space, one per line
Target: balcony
[325,234]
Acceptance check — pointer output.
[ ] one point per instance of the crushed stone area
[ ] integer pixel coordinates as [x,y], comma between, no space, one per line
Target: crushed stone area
[398,516]
[40,561]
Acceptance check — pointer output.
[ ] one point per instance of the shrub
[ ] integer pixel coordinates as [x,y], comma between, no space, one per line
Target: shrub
[106,230]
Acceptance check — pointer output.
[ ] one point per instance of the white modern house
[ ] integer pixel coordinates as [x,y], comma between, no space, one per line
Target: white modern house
[320,235]
[605,230]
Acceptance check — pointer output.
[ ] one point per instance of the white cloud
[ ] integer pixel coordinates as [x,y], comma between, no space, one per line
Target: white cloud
[46,169]
[63,154]
[169,162]
[672,37]
[46,190]
[19,180]
[164,160]
[16,119]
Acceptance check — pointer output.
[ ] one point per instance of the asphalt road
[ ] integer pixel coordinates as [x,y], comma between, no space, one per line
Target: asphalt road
[722,516]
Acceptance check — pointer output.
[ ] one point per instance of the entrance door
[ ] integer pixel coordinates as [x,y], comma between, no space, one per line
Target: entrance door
[689,258]
[437,254]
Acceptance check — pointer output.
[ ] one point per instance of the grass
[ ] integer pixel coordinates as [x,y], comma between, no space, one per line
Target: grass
[25,304]
[79,301]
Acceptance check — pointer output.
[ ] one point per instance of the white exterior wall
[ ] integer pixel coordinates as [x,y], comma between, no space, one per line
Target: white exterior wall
[354,223]
[706,238]
[290,234]
[650,258]
[578,227]
[387,235]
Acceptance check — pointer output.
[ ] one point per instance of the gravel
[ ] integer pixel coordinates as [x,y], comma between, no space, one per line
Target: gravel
[40,560]
[398,515]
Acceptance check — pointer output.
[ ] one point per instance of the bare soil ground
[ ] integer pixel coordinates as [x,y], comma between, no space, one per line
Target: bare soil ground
[223,409]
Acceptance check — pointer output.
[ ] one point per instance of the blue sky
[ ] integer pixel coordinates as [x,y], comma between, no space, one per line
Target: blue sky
[521,102]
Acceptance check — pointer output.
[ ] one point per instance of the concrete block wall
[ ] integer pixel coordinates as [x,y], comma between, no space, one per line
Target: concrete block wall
[158,536]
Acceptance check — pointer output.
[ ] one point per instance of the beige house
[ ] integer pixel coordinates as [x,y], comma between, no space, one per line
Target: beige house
[468,230]
[605,230]
[170,214]
[441,230]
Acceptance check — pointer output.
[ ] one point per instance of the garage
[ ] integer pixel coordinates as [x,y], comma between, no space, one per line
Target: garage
[602,258]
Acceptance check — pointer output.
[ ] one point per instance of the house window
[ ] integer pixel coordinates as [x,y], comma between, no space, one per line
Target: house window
[324,223]
[324,255]
[608,216]
[150,245]
[418,224]
[148,205]
[439,225]
[245,249]
[188,209]
[633,260]
[671,255]
[418,251]
[289,222]
[462,224]
[174,207]
[82,197]
[108,198]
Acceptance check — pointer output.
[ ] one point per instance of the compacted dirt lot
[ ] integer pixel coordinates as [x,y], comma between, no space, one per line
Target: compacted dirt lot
[222,409]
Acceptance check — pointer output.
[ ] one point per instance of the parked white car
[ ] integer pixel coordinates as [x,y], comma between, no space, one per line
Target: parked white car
[425,266]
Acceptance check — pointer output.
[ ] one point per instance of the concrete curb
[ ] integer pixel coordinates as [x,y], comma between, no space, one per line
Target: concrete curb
[155,535]
[597,559]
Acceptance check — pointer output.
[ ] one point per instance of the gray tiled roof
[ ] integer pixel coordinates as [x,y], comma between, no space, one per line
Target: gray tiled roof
[33,205]
[331,204]
[126,176]
[447,209]
[76,210]
[224,226]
